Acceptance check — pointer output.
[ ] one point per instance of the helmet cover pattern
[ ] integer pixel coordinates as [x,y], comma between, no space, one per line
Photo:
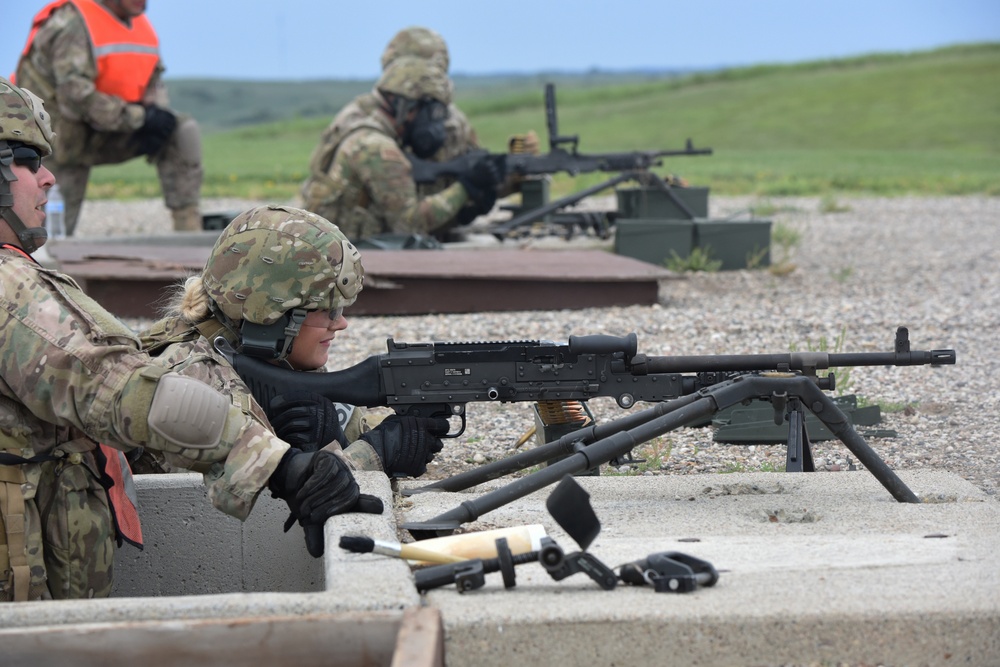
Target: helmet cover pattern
[420,42]
[271,259]
[23,118]
[415,78]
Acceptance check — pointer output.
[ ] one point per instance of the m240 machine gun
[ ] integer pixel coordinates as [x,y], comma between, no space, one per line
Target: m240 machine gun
[563,157]
[440,379]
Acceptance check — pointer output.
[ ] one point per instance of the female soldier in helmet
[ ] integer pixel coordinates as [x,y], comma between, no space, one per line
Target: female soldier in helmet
[275,287]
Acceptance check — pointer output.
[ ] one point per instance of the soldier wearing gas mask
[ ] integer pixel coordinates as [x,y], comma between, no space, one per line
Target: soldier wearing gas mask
[360,175]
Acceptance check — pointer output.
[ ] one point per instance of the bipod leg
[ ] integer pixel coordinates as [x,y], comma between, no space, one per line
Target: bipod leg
[827,411]
[799,457]
[667,417]
[557,449]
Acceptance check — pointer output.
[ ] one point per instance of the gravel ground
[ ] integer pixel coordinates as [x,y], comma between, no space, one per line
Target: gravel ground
[877,263]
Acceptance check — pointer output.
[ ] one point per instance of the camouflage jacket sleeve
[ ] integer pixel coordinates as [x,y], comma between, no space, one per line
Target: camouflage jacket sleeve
[238,469]
[461,136]
[61,53]
[380,164]
[63,358]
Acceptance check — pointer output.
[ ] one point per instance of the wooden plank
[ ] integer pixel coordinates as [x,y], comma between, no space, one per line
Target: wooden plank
[131,279]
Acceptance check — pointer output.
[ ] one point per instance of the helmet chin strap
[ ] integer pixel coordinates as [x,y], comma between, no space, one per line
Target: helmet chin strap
[271,341]
[293,324]
[31,238]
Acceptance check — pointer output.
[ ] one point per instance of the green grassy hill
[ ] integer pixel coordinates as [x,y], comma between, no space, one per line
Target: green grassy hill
[925,122]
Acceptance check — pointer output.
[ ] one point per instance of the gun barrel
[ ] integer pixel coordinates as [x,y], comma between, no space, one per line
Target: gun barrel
[908,358]
[796,361]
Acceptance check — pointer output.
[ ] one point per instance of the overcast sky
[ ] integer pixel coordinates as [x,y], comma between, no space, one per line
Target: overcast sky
[310,39]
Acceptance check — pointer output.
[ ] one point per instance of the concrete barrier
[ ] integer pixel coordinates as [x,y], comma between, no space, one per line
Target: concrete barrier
[191,548]
[815,568]
[208,589]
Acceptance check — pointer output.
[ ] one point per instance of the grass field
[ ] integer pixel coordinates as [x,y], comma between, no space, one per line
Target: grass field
[926,123]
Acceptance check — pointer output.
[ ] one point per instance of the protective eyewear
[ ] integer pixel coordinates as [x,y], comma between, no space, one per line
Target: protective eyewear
[322,318]
[433,109]
[28,156]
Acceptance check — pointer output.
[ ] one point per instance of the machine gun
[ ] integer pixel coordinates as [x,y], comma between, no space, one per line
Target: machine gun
[634,165]
[440,379]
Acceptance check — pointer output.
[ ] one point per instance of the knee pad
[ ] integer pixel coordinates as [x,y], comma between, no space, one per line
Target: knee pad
[188,139]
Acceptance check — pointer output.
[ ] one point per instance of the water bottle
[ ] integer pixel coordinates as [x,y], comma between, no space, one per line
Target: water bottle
[55,222]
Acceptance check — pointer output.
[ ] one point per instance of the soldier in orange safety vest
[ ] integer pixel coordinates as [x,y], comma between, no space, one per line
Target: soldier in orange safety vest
[96,64]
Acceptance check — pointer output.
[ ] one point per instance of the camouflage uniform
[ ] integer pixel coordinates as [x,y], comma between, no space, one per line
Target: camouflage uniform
[94,128]
[188,347]
[73,376]
[426,43]
[361,177]
[461,137]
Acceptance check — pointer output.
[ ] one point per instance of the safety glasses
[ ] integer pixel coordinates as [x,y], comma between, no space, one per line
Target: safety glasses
[28,156]
[322,318]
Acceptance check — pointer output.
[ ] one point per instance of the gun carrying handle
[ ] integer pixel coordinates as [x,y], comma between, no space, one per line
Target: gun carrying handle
[553,123]
[604,344]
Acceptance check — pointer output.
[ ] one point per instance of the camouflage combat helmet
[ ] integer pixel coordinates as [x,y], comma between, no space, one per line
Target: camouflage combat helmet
[23,120]
[273,261]
[415,78]
[419,42]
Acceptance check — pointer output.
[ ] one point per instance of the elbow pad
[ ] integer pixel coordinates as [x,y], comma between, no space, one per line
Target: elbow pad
[174,413]
[187,412]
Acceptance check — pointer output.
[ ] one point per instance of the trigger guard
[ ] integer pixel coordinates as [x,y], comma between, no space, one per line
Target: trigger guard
[461,430]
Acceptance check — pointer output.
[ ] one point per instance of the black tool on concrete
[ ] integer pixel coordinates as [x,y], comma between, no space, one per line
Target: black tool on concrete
[570,506]
[560,565]
[670,572]
[471,574]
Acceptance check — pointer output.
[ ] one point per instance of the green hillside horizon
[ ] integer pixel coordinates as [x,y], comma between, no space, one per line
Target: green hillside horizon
[925,122]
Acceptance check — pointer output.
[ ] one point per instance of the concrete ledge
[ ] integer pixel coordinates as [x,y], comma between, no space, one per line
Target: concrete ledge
[369,581]
[822,567]
[814,567]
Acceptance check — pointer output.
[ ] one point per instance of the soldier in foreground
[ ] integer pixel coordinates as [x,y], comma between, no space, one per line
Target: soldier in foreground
[77,392]
[360,175]
[275,287]
[96,65]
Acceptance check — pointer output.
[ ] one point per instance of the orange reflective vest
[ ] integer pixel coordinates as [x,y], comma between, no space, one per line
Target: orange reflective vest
[126,56]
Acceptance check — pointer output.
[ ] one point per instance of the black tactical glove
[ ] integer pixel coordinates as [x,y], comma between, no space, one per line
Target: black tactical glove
[305,420]
[156,130]
[316,486]
[407,444]
[481,182]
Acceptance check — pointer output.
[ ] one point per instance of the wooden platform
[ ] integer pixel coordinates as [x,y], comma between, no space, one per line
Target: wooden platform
[130,278]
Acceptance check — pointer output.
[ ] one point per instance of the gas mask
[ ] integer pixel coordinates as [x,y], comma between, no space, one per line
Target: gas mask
[426,133]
